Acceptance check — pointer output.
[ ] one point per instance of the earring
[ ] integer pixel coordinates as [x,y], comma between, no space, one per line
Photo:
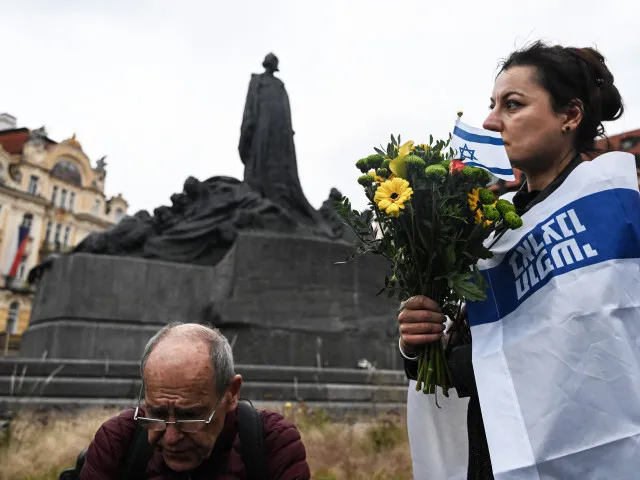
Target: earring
[567,128]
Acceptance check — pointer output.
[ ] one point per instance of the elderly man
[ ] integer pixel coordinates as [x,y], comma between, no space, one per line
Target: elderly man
[191,419]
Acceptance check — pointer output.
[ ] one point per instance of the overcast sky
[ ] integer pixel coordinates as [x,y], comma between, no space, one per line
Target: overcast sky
[159,86]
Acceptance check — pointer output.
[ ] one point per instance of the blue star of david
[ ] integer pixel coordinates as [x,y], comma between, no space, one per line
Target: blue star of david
[467,154]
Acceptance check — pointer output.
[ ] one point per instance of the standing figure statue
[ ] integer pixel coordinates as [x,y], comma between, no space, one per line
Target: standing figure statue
[266,145]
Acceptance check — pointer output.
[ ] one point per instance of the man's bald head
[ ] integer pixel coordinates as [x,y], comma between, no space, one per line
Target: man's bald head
[187,371]
[188,347]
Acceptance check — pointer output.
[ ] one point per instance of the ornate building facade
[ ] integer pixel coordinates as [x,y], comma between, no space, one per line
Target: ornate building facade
[51,198]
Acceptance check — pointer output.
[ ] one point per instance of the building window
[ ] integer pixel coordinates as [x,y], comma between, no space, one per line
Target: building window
[72,200]
[47,235]
[67,232]
[12,318]
[96,207]
[119,214]
[68,171]
[56,238]
[33,185]
[54,195]
[63,198]
[27,220]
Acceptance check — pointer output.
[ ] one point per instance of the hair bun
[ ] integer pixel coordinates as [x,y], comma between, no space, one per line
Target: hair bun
[611,107]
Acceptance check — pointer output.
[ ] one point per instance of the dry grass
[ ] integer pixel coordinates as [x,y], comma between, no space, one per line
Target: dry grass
[40,446]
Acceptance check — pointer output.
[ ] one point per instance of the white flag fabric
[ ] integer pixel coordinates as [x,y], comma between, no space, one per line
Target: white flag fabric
[556,347]
[437,436]
[482,148]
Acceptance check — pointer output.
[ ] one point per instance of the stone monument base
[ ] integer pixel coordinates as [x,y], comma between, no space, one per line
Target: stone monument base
[281,300]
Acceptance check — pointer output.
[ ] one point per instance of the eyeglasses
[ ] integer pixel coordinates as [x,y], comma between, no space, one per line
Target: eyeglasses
[185,426]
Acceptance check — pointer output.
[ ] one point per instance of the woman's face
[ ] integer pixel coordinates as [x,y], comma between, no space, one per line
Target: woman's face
[531,130]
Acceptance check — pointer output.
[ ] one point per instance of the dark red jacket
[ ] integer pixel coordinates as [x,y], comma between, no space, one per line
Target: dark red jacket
[284,451]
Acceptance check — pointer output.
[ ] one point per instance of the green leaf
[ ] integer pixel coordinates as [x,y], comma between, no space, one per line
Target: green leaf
[379,152]
[349,257]
[451,255]
[430,139]
[464,288]
[390,150]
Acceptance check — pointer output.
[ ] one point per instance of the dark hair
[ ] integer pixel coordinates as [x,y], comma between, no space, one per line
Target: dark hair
[571,74]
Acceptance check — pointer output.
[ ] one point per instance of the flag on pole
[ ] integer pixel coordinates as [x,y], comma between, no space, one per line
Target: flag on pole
[20,242]
[482,148]
[556,346]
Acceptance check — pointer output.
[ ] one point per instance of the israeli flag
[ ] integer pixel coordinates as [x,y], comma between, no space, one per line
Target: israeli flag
[556,346]
[443,454]
[482,148]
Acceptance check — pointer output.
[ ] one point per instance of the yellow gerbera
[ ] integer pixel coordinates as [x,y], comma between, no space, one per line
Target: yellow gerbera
[380,179]
[398,165]
[392,194]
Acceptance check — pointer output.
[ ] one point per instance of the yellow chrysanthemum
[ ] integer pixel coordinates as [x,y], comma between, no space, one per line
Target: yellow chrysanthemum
[473,198]
[392,195]
[398,165]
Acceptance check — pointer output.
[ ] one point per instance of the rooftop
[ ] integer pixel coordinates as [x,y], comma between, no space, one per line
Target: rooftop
[13,140]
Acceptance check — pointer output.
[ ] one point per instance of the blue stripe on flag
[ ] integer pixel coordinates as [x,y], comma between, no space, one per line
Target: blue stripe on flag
[593,229]
[473,137]
[496,170]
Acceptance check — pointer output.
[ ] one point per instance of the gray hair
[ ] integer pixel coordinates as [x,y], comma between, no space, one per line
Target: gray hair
[220,351]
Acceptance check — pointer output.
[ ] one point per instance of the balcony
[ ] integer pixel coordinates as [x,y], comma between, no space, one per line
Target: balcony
[47,248]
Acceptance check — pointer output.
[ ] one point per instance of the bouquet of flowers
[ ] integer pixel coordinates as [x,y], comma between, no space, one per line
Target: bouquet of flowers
[431,216]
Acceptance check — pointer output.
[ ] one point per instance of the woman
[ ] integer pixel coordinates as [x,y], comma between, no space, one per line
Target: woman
[548,104]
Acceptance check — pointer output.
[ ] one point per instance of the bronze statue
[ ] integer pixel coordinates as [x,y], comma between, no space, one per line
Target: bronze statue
[203,220]
[266,144]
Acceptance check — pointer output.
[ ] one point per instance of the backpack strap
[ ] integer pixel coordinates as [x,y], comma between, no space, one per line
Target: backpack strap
[251,441]
[138,456]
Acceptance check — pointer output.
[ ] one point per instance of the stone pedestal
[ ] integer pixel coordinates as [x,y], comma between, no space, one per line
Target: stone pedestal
[280,300]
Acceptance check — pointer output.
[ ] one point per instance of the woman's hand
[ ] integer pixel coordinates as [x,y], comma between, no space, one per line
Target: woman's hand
[421,322]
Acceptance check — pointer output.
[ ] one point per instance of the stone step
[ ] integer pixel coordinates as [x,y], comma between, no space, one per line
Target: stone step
[335,409]
[28,367]
[60,386]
